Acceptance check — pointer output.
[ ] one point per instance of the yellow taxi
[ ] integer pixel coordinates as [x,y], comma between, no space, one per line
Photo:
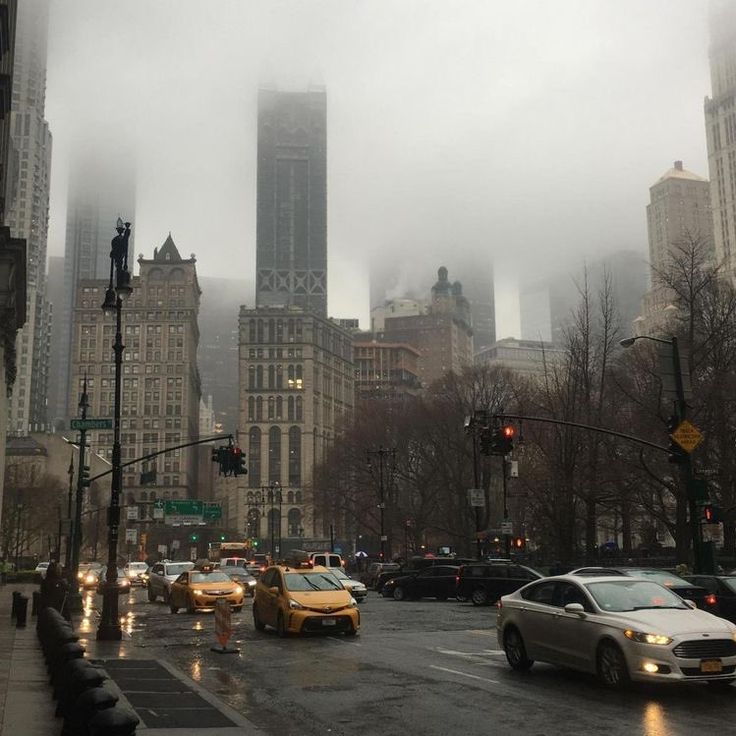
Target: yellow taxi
[202,587]
[297,598]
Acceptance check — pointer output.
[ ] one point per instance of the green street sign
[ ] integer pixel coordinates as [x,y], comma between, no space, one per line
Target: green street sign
[212,512]
[184,507]
[83,424]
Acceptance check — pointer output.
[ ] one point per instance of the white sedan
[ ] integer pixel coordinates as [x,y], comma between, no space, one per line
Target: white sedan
[619,628]
[356,588]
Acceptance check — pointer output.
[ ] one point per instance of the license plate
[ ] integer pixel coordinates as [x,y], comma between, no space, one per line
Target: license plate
[711,665]
[329,622]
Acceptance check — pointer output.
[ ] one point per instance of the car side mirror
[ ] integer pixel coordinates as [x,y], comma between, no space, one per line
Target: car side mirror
[273,590]
[690,603]
[576,608]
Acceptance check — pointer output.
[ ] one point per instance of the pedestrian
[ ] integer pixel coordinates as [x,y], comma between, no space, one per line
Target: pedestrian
[54,589]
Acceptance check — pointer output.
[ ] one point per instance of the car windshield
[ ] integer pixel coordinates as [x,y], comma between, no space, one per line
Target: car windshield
[178,569]
[304,581]
[730,583]
[636,595]
[662,577]
[210,577]
[339,573]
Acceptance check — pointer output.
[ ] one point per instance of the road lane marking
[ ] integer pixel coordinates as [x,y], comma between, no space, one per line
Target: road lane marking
[469,655]
[463,674]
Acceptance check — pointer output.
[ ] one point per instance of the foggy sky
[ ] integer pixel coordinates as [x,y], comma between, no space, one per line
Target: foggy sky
[526,132]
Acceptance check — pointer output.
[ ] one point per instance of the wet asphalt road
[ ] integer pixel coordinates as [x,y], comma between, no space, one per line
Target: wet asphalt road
[422,667]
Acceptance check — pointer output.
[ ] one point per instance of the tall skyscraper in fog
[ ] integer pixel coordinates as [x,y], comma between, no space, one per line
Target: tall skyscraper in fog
[291,240]
[28,210]
[100,191]
[720,122]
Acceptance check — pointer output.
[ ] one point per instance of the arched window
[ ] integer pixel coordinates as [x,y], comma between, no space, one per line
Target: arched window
[271,330]
[279,407]
[259,334]
[279,330]
[259,376]
[290,415]
[294,523]
[251,408]
[274,454]
[290,497]
[271,407]
[272,376]
[251,330]
[254,452]
[249,497]
[259,408]
[295,456]
[299,408]
[291,330]
[279,377]
[299,330]
[254,523]
[251,376]
[290,373]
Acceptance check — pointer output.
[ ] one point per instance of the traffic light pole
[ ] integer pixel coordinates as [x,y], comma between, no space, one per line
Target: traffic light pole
[506,535]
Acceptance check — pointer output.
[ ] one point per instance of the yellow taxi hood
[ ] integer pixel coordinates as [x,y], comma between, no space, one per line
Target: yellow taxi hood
[222,585]
[321,598]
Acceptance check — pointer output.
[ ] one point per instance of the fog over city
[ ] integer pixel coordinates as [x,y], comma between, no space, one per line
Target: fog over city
[522,133]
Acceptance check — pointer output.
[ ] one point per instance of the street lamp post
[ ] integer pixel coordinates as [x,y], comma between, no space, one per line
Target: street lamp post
[69,531]
[109,629]
[381,453]
[680,413]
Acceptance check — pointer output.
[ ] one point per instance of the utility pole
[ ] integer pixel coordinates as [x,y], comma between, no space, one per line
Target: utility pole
[70,527]
[381,453]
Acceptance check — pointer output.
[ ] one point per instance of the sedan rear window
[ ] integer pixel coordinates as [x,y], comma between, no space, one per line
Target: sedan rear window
[178,569]
[637,595]
[662,577]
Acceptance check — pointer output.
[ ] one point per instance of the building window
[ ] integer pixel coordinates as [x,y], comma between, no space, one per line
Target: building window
[251,408]
[259,376]
[274,454]
[254,451]
[294,520]
[259,408]
[295,456]
[251,377]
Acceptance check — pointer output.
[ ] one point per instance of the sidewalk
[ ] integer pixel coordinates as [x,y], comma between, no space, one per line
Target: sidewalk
[166,701]
[26,705]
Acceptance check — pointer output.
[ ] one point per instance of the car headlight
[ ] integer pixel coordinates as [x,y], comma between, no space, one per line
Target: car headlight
[252,583]
[90,579]
[80,575]
[196,591]
[295,604]
[353,603]
[238,589]
[389,582]
[644,638]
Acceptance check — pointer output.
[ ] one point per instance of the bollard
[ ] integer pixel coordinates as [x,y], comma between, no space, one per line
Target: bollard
[89,703]
[36,605]
[113,722]
[14,608]
[22,612]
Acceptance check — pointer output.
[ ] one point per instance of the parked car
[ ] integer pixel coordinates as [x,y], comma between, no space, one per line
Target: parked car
[414,564]
[485,582]
[160,577]
[675,583]
[135,571]
[41,569]
[720,593]
[618,627]
[437,582]
[358,589]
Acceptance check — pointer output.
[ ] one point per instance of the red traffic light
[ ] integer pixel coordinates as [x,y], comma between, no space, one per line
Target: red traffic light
[708,515]
[508,431]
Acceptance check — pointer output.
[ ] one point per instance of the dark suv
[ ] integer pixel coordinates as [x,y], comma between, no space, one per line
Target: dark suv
[486,582]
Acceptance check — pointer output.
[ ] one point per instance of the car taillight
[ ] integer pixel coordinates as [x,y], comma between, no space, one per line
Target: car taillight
[711,599]
[457,579]
[499,604]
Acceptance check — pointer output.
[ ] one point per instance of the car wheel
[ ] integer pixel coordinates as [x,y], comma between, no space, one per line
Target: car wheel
[260,626]
[191,607]
[280,625]
[173,608]
[399,593]
[151,595]
[479,597]
[513,646]
[612,669]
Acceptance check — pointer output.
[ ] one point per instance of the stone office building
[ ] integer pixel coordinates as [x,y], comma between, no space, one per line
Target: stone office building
[161,386]
[296,390]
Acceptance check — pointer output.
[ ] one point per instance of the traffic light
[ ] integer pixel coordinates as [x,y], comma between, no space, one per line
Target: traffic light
[518,542]
[238,462]
[222,537]
[710,514]
[677,456]
[507,439]
[255,543]
[85,481]
[193,537]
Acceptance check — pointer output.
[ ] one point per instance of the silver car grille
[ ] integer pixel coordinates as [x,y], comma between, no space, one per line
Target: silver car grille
[703,648]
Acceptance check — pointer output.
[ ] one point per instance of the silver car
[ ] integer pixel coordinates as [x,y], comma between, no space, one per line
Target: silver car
[620,628]
[160,577]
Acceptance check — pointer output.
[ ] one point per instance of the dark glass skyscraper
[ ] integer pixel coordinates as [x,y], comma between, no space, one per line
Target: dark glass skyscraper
[291,240]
